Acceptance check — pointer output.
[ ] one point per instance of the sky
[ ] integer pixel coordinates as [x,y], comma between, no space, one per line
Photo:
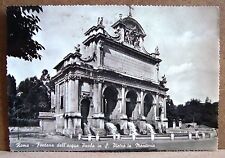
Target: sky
[187,37]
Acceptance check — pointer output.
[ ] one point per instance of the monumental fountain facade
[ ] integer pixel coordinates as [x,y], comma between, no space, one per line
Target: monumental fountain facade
[110,84]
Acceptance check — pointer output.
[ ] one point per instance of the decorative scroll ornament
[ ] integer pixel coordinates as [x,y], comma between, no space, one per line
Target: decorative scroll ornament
[117,36]
[78,55]
[129,36]
[89,58]
[156,53]
[72,77]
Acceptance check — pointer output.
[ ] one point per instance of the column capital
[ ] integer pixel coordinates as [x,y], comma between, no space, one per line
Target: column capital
[124,86]
[164,96]
[73,77]
[98,81]
[72,115]
[86,95]
[66,78]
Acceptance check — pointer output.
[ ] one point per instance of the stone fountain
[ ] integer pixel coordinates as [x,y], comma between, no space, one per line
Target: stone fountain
[111,128]
[86,129]
[149,128]
[132,128]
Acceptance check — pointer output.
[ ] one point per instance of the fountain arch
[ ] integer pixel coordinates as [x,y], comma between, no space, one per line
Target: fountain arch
[85,108]
[131,101]
[148,103]
[110,97]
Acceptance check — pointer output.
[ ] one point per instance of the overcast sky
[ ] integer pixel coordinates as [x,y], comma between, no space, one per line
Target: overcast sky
[187,37]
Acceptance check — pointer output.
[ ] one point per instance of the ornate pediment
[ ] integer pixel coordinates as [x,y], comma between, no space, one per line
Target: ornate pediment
[131,25]
[129,32]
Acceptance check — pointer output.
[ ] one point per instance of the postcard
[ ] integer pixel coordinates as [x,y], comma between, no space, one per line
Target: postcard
[113,78]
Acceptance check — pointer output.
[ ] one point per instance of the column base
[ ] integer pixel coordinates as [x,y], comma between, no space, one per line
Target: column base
[98,124]
[74,124]
[162,125]
[72,132]
[123,124]
[77,131]
[165,123]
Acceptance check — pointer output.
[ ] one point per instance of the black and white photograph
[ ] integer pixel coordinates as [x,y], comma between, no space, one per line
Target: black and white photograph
[113,78]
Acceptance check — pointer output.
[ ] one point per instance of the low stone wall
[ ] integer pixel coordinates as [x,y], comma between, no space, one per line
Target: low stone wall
[47,122]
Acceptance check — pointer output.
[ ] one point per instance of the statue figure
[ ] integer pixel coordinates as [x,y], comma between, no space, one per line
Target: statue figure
[100,21]
[136,43]
[77,48]
[157,51]
[118,33]
[132,37]
[163,81]
[126,37]
[45,77]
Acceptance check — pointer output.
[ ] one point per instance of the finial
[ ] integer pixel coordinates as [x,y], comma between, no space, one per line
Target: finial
[77,48]
[156,53]
[120,15]
[163,81]
[100,21]
[130,9]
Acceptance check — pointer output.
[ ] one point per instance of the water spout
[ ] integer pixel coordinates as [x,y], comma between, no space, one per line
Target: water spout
[132,128]
[150,128]
[111,128]
[86,129]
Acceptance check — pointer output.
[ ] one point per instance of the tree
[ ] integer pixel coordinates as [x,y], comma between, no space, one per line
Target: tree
[22,25]
[11,94]
[34,96]
[170,111]
[210,114]
[194,111]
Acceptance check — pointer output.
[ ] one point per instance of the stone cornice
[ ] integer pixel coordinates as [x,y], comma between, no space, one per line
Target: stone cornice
[125,49]
[93,28]
[101,75]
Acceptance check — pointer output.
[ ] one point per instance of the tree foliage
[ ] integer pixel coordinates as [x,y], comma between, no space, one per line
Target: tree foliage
[11,93]
[22,25]
[194,111]
[27,100]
